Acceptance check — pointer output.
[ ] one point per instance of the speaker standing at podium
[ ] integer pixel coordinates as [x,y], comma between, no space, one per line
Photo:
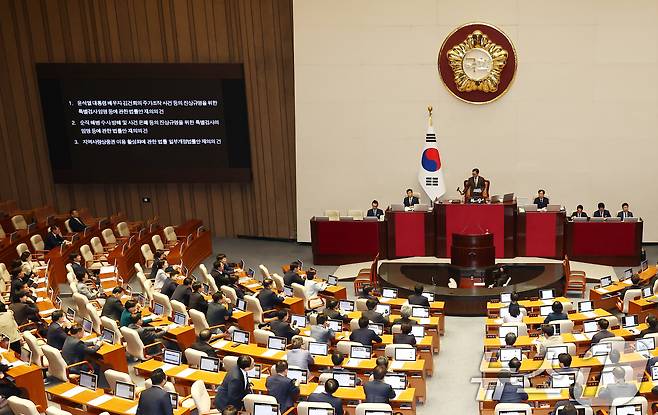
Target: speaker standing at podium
[410,200]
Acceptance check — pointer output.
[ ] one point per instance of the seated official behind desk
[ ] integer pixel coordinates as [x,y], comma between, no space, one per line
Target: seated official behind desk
[624,213]
[475,186]
[375,211]
[579,212]
[410,200]
[601,212]
[540,200]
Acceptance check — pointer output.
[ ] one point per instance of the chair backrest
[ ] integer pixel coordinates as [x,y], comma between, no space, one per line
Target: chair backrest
[110,324]
[299,291]
[253,305]
[252,398]
[164,300]
[138,268]
[360,304]
[194,356]
[146,252]
[81,305]
[20,248]
[566,326]
[363,407]
[170,234]
[19,222]
[332,214]
[278,281]
[212,285]
[157,242]
[20,406]
[180,307]
[229,362]
[67,225]
[204,273]
[345,346]
[264,271]
[229,293]
[261,336]
[134,345]
[37,353]
[389,351]
[198,320]
[92,313]
[618,343]
[108,236]
[56,363]
[86,253]
[123,229]
[37,242]
[56,411]
[519,408]
[621,402]
[302,407]
[630,295]
[200,397]
[70,278]
[355,214]
[147,290]
[113,376]
[96,245]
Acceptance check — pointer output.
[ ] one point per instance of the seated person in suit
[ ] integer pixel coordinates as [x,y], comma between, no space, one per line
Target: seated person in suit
[652,322]
[476,184]
[618,389]
[78,266]
[113,307]
[321,331]
[330,387]
[540,200]
[332,311]
[268,299]
[150,335]
[363,334]
[56,331]
[235,385]
[601,212]
[557,313]
[635,282]
[375,210]
[155,400]
[405,337]
[202,344]
[417,298]
[506,392]
[373,315]
[378,391]
[579,213]
[183,292]
[236,287]
[219,274]
[405,316]
[131,311]
[603,333]
[169,286]
[367,293]
[25,310]
[75,350]
[624,212]
[281,327]
[224,260]
[547,339]
[297,356]
[410,200]
[285,390]
[292,276]
[54,238]
[75,222]
[197,299]
[83,285]
[219,310]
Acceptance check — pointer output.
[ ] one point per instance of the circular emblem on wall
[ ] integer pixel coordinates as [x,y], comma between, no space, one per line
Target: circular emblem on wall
[477,63]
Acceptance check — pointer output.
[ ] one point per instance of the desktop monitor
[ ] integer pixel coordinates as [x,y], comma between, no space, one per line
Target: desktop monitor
[420,312]
[180,318]
[124,390]
[261,408]
[255,372]
[601,348]
[158,309]
[173,397]
[630,409]
[88,380]
[398,381]
[241,305]
[276,343]
[552,352]
[240,337]
[646,292]
[508,353]
[26,355]
[346,306]
[298,374]
[545,310]
[58,302]
[141,300]
[503,330]
[629,321]
[70,314]
[429,296]
[206,288]
[360,352]
[405,354]
[418,331]
[628,273]
[390,292]
[563,380]
[377,328]
[108,336]
[335,325]
[345,379]
[318,349]
[209,364]
[251,273]
[654,373]
[645,344]
[332,280]
[590,326]
[585,306]
[605,281]
[173,357]
[546,294]
[287,291]
[298,321]
[384,309]
[87,325]
[644,265]
[506,298]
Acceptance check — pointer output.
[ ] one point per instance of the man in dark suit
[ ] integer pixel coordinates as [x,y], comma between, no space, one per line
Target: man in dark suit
[405,337]
[601,212]
[268,299]
[113,307]
[283,389]
[330,387]
[410,200]
[25,310]
[219,310]
[239,292]
[56,335]
[579,212]
[155,400]
[197,300]
[363,334]
[76,351]
[557,313]
[378,391]
[202,344]
[183,292]
[77,265]
[652,323]
[281,328]
[54,238]
[508,393]
[624,212]
[219,274]
[476,184]
[235,385]
[603,333]
[169,286]
[291,276]
[75,222]
[375,211]
[372,315]
[417,298]
[540,200]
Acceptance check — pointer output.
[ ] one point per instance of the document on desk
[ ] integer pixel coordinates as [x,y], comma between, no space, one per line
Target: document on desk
[108,269]
[100,400]
[580,337]
[397,365]
[167,366]
[252,286]
[590,314]
[353,362]
[221,343]
[132,410]
[424,321]
[186,372]
[73,391]
[269,353]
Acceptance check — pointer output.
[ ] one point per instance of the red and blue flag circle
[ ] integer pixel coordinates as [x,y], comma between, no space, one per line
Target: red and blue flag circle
[430,160]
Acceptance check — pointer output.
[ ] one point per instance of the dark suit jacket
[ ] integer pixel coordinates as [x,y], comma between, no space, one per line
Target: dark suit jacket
[337,403]
[221,278]
[582,215]
[204,347]
[75,350]
[646,331]
[401,338]
[198,302]
[283,329]
[268,299]
[56,336]
[414,201]
[238,291]
[182,293]
[378,391]
[620,214]
[597,213]
[52,241]
[512,394]
[154,400]
[603,334]
[24,313]
[217,314]
[283,389]
[375,317]
[365,336]
[375,212]
[402,320]
[291,277]
[232,390]
[419,300]
[335,315]
[76,224]
[112,308]
[555,316]
[168,287]
[541,203]
[470,184]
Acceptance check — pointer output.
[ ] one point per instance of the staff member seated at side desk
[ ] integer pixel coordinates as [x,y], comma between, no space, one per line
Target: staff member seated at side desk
[410,200]
[624,212]
[601,212]
[375,211]
[540,200]
[579,213]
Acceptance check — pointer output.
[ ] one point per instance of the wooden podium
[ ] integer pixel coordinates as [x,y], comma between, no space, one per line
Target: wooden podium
[473,251]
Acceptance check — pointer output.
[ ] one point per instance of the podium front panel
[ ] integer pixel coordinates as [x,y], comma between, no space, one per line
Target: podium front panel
[344,242]
[540,234]
[410,234]
[609,243]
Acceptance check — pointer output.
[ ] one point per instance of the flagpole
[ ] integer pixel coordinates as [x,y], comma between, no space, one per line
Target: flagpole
[429,109]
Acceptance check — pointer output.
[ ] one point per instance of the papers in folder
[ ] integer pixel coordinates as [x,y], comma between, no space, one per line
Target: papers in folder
[100,400]
[73,391]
